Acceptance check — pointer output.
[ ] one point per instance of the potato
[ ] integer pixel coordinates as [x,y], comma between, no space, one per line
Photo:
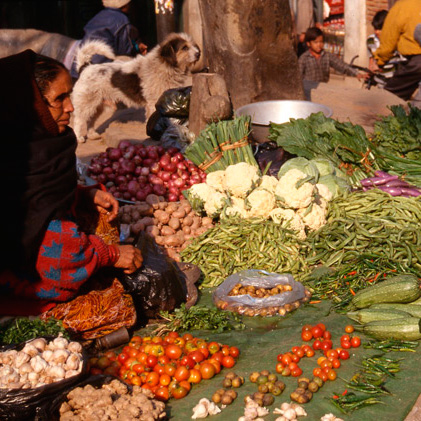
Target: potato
[135,215]
[162,205]
[179,213]
[162,216]
[153,200]
[147,220]
[186,230]
[137,227]
[166,230]
[172,241]
[172,253]
[201,230]
[126,218]
[159,239]
[207,221]
[196,223]
[187,221]
[171,207]
[174,222]
[186,206]
[152,230]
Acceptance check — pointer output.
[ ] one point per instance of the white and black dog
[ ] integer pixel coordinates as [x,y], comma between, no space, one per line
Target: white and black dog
[138,82]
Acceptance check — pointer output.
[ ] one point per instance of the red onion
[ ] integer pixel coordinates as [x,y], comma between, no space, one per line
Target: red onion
[127,195]
[124,144]
[102,178]
[107,170]
[142,179]
[122,187]
[114,154]
[141,195]
[165,159]
[144,171]
[160,150]
[164,175]
[179,182]
[143,153]
[173,197]
[147,162]
[133,187]
[154,179]
[137,160]
[174,190]
[95,169]
[121,179]
[181,166]
[154,168]
[172,150]
[159,189]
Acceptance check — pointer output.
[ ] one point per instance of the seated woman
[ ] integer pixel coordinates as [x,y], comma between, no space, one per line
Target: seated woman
[46,258]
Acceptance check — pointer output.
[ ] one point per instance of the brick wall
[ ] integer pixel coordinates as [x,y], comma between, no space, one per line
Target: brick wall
[372,7]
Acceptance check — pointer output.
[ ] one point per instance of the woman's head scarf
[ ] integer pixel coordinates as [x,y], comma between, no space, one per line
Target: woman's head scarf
[38,165]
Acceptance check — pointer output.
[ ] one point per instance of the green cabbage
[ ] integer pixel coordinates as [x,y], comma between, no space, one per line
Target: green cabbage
[303,164]
[336,185]
[324,166]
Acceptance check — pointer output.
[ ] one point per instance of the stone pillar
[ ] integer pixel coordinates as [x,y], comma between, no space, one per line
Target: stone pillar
[355,32]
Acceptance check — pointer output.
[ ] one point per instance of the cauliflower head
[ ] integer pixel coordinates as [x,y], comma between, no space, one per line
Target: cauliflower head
[237,209]
[198,194]
[324,192]
[269,183]
[287,218]
[292,197]
[241,178]
[260,202]
[314,216]
[215,203]
[216,180]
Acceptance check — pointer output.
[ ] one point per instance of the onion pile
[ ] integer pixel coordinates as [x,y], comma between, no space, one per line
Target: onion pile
[132,172]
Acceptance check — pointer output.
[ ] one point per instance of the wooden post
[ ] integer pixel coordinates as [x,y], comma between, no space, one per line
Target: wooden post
[165,19]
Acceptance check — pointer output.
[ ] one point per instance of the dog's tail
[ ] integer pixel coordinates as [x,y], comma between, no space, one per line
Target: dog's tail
[89,49]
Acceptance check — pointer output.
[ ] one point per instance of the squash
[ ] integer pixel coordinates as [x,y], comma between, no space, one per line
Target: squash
[367,315]
[413,310]
[403,329]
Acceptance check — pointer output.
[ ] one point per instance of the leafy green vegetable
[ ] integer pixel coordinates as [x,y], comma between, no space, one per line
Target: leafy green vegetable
[23,329]
[201,318]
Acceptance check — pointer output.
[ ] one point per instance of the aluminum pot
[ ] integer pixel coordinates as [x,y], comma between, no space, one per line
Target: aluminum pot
[277,111]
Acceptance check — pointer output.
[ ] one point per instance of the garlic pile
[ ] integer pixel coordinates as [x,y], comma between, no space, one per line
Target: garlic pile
[330,417]
[253,411]
[290,411]
[205,408]
[39,363]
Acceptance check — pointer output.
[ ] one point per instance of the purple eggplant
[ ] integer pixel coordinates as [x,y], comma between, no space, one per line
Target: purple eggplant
[377,181]
[411,191]
[381,174]
[397,183]
[393,191]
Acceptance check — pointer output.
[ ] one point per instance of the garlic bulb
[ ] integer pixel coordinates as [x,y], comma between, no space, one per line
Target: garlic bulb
[56,372]
[205,408]
[47,355]
[21,358]
[71,373]
[75,347]
[60,356]
[38,364]
[330,417]
[59,343]
[33,377]
[25,368]
[30,349]
[72,362]
[8,357]
[39,344]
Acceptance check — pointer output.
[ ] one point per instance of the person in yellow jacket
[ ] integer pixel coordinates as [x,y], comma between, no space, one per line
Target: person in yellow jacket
[398,34]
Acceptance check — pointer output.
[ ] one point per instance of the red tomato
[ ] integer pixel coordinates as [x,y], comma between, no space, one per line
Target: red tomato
[225,350]
[130,362]
[179,392]
[228,361]
[321,326]
[204,351]
[300,353]
[152,378]
[186,385]
[326,345]
[196,356]
[173,351]
[306,335]
[188,362]
[317,344]
[142,357]
[163,359]
[234,352]
[326,334]
[207,370]
[355,342]
[132,352]
[95,370]
[182,373]
[122,358]
[343,354]
[317,371]
[296,372]
[295,358]
[306,327]
[170,369]
[216,364]
[331,353]
[310,353]
[173,335]
[218,356]
[111,355]
[336,363]
[188,337]
[286,359]
[160,369]
[151,361]
[213,347]
[162,394]
[294,349]
[136,338]
[157,340]
[317,332]
[279,357]
[345,338]
[292,366]
[138,368]
[346,344]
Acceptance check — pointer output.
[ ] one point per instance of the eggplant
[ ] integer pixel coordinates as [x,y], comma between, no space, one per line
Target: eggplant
[411,191]
[377,181]
[393,191]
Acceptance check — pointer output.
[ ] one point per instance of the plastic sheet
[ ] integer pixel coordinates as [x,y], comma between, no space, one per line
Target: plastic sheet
[22,404]
[96,313]
[253,306]
[157,285]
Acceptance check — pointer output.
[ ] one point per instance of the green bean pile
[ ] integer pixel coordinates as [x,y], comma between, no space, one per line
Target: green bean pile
[236,245]
[376,204]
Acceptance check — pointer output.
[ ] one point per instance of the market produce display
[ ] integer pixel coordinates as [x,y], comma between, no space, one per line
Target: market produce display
[131,172]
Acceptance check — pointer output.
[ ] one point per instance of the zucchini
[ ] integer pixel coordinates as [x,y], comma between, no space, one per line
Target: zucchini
[402,329]
[413,310]
[398,289]
[367,315]
[416,302]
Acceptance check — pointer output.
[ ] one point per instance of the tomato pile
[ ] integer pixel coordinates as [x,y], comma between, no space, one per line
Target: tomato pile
[330,360]
[169,365]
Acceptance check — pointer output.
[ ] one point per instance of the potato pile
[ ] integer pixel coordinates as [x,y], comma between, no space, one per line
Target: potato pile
[172,224]
[258,292]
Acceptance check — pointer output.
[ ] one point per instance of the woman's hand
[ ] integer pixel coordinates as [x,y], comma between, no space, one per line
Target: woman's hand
[105,203]
[130,259]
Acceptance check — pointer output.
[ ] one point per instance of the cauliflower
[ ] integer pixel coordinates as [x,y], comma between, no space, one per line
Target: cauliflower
[324,192]
[216,180]
[292,197]
[314,216]
[241,178]
[237,209]
[287,218]
[215,203]
[269,183]
[198,194]
[260,202]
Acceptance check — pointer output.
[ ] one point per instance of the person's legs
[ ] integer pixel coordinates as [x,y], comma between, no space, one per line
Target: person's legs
[406,78]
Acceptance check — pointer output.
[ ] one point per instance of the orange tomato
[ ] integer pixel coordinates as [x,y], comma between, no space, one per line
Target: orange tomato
[173,351]
[349,329]
[228,361]
[279,368]
[132,352]
[179,392]
[136,381]
[207,370]
[170,369]
[310,353]
[213,347]
[164,379]
[182,373]
[162,394]
[136,338]
[336,363]
[331,353]
[195,376]
[234,352]
[331,375]
[157,340]
[306,335]
[186,385]
[225,351]
[180,342]
[152,379]
[320,360]
[142,357]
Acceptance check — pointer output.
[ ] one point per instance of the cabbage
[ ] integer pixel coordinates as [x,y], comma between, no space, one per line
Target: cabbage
[302,164]
[324,166]
[336,185]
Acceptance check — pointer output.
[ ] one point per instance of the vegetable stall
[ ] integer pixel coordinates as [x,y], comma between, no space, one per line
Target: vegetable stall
[309,296]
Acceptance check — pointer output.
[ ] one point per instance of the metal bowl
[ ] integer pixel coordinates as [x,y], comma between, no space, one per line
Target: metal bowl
[277,111]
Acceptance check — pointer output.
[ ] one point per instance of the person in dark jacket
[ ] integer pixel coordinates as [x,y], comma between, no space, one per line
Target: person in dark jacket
[112,26]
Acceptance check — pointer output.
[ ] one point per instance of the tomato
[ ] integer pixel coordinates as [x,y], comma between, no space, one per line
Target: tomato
[296,372]
[336,363]
[162,394]
[213,347]
[317,371]
[204,351]
[138,368]
[300,353]
[168,340]
[157,340]
[349,329]
[326,345]
[180,342]
[195,376]
[122,358]
[345,338]
[146,339]
[279,368]
[218,356]
[294,349]
[234,352]
[279,357]
[112,371]
[306,327]
[170,369]
[331,375]
[132,352]
[310,353]
[131,374]
[151,361]
[343,354]
[225,350]
[326,369]
[331,353]
[295,358]
[136,381]
[159,368]
[326,363]
[111,355]
[173,335]
[196,356]
[346,344]
[320,360]
[152,378]
[321,326]
[95,371]
[190,346]
[306,335]
[157,350]
[216,364]
[188,362]
[182,373]
[355,342]
[292,366]
[323,376]
[130,362]
[327,334]
[228,361]
[136,338]
[286,359]
[179,392]
[188,337]
[207,370]
[317,332]
[317,344]
[186,385]
[163,359]
[173,351]
[286,372]
[142,357]
[164,379]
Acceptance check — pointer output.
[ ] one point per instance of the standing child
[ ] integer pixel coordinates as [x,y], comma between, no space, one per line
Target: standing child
[314,65]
